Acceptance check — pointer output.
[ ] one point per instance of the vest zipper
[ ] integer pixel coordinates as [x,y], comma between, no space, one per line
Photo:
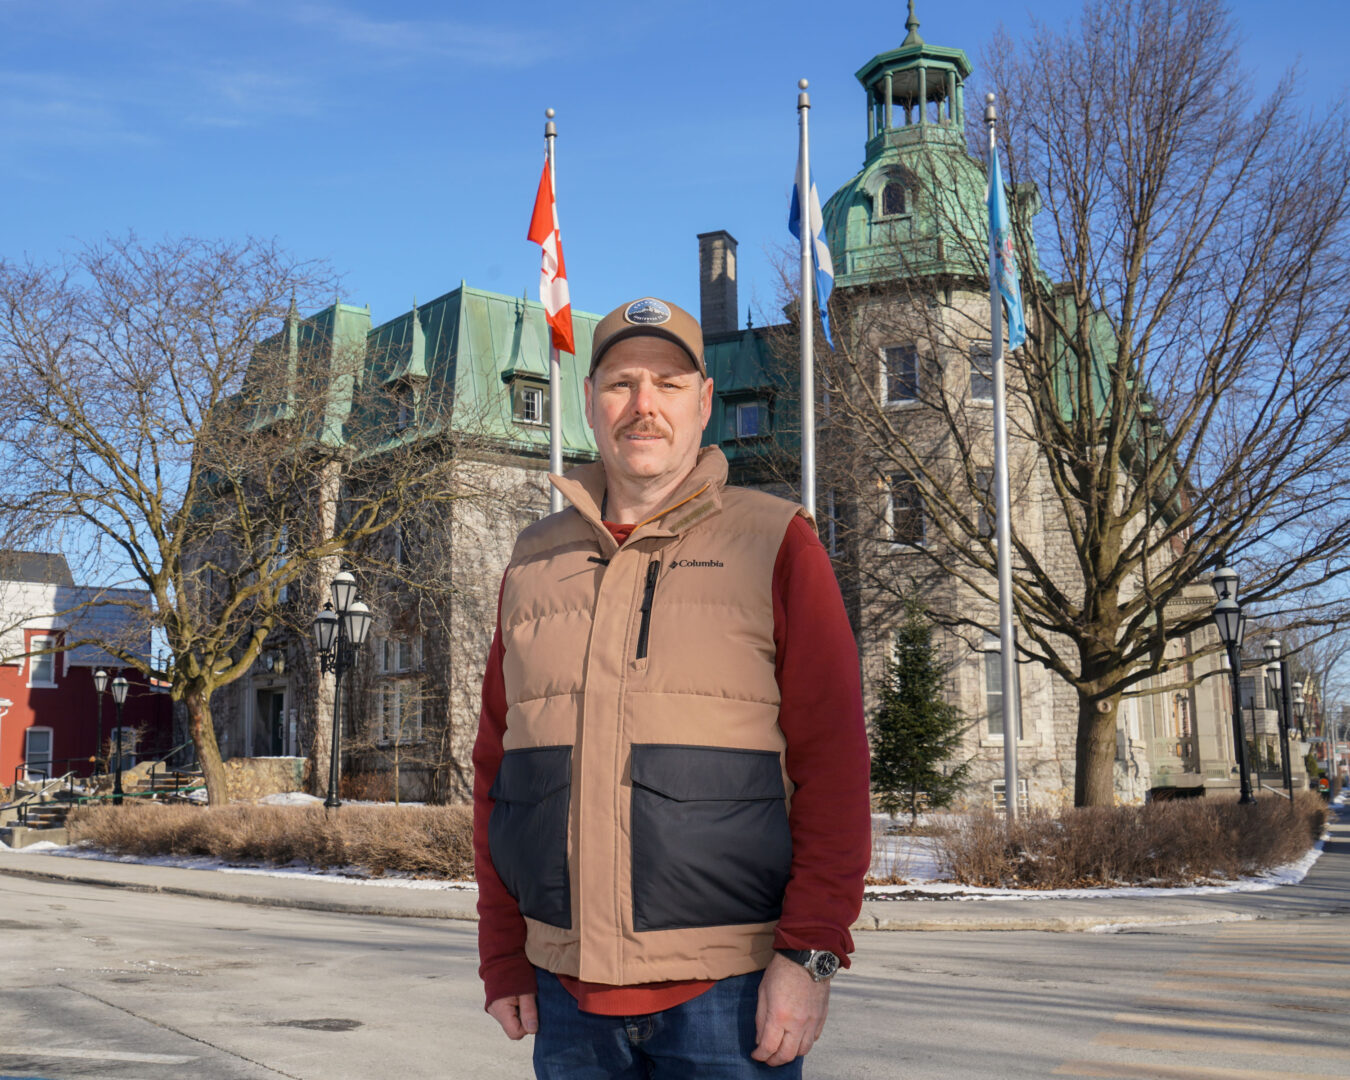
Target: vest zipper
[653,568]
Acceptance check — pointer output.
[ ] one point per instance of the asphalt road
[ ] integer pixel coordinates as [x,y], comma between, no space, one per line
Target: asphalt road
[110,983]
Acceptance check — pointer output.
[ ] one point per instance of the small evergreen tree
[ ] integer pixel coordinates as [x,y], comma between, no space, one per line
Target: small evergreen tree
[915,732]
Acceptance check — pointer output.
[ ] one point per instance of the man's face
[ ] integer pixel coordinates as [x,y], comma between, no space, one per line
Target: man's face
[648,407]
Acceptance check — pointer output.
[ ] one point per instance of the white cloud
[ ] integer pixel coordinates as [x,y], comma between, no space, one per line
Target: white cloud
[409,41]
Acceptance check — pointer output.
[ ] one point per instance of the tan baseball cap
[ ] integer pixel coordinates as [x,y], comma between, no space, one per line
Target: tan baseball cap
[653,318]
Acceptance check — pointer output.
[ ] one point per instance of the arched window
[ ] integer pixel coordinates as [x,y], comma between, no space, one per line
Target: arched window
[893,199]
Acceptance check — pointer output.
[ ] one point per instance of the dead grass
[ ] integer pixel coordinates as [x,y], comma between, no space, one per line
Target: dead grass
[426,841]
[1163,843]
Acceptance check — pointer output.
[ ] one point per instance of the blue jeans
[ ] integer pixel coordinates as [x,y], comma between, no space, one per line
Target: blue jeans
[708,1038]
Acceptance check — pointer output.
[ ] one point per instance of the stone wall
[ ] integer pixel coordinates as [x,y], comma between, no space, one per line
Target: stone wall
[249,779]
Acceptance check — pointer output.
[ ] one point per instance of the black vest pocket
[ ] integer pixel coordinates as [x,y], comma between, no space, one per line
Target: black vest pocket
[711,845]
[527,832]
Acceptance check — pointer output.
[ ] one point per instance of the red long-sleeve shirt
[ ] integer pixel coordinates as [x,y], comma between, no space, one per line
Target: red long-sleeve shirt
[821,717]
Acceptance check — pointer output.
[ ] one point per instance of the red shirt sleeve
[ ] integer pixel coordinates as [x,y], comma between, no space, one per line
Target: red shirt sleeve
[821,715]
[502,963]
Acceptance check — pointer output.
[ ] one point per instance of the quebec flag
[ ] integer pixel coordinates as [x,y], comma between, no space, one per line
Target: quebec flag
[819,248]
[1005,263]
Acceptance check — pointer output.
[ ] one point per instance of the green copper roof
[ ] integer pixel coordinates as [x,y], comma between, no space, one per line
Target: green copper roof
[453,359]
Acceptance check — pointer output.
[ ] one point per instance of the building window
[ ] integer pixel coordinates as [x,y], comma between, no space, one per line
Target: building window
[901,373]
[42,668]
[400,714]
[406,404]
[37,753]
[529,403]
[837,522]
[993,688]
[398,656]
[893,201]
[752,419]
[904,512]
[999,788]
[984,487]
[981,374]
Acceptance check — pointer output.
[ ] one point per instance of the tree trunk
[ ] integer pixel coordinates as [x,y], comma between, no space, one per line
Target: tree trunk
[1094,772]
[321,738]
[203,733]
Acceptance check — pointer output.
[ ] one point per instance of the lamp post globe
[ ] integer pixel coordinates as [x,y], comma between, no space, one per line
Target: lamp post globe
[1225,583]
[119,693]
[356,622]
[1271,648]
[343,590]
[1228,617]
[325,630]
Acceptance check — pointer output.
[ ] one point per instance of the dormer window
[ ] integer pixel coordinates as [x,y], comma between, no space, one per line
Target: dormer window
[529,401]
[894,200]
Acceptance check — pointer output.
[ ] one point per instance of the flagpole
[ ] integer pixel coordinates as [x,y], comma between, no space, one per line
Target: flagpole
[1012,706]
[806,312]
[555,460]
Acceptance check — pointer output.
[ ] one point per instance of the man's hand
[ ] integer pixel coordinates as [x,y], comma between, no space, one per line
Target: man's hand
[791,1013]
[517,1014]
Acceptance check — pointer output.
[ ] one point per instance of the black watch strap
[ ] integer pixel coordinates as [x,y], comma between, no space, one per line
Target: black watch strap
[819,963]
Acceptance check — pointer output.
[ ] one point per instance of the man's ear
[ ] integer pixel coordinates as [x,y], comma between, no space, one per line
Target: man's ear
[588,389]
[705,406]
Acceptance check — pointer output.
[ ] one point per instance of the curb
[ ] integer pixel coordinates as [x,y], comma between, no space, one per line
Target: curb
[876,915]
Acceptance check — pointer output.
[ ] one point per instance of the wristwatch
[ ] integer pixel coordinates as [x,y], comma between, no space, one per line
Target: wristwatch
[819,964]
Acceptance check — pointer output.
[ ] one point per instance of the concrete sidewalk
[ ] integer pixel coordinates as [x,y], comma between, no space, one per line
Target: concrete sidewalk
[1325,890]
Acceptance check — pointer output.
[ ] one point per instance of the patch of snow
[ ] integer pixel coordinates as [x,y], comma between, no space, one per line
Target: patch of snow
[288,798]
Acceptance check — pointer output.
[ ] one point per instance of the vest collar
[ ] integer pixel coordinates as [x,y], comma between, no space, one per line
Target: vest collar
[697,498]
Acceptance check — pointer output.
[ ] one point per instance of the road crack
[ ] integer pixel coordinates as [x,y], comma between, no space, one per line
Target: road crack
[169,1027]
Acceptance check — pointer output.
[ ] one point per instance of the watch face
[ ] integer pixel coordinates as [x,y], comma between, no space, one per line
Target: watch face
[824,964]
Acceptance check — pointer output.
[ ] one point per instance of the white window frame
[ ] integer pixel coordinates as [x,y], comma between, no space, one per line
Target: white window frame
[759,409]
[399,656]
[36,643]
[998,791]
[886,395]
[42,729]
[399,698]
[981,361]
[896,481]
[532,400]
[991,652]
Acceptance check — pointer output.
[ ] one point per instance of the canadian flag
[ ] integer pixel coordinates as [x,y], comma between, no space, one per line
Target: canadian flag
[552,273]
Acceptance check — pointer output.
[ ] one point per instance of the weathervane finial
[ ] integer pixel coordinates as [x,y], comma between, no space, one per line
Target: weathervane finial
[912,25]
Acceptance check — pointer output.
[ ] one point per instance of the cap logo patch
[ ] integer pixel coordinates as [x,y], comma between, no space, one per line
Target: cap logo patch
[646,312]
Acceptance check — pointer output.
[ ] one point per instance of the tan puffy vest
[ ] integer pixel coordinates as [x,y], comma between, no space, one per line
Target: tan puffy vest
[640,815]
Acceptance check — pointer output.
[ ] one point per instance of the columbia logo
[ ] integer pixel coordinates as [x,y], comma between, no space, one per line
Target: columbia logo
[676,563]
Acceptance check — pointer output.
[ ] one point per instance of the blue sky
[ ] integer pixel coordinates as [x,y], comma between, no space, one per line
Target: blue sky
[402,142]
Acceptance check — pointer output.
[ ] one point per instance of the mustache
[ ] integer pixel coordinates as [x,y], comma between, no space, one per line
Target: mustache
[641,427]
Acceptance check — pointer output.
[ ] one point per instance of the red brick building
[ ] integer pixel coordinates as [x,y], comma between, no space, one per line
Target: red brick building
[49,710]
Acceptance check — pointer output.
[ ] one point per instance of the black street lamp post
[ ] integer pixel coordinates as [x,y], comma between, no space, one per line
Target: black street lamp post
[1232,624]
[1277,674]
[340,629]
[101,687]
[119,691]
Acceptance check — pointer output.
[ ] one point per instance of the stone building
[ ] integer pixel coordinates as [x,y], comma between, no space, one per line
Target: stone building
[907,234]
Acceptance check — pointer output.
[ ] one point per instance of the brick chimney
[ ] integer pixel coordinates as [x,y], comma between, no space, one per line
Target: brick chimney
[717,282]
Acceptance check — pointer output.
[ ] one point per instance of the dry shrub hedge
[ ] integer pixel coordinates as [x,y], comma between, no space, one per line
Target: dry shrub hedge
[1175,842]
[426,841]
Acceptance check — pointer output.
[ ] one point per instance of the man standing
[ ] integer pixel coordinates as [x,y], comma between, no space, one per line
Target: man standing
[671,820]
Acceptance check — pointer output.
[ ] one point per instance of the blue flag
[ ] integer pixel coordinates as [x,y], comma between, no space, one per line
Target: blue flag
[819,248]
[1005,263]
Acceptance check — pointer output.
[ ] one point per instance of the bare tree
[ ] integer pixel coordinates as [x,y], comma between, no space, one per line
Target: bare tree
[1182,398]
[176,427]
